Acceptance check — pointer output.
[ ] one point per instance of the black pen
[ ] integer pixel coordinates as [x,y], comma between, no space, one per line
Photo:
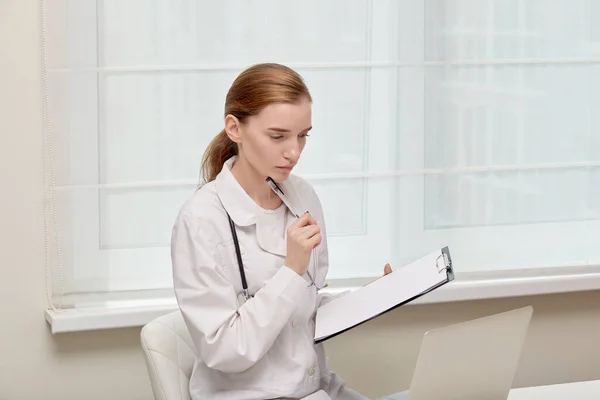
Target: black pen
[275,187]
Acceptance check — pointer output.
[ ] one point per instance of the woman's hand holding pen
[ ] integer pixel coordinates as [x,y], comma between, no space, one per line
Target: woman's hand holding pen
[302,237]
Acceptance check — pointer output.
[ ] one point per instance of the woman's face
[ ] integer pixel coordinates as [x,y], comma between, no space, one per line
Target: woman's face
[273,140]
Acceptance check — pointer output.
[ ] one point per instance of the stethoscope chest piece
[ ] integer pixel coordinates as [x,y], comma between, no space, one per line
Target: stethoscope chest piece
[241,299]
[243,296]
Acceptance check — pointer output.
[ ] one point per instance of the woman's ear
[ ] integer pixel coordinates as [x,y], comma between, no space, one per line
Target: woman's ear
[232,128]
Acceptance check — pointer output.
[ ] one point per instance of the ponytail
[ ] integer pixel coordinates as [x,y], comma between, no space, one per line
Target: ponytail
[220,149]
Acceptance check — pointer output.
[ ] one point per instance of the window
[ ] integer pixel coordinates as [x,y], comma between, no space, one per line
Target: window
[439,122]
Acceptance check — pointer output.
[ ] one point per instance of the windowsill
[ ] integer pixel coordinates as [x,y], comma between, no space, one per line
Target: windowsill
[468,289]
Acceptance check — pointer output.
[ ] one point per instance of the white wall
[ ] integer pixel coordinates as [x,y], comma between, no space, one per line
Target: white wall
[562,345]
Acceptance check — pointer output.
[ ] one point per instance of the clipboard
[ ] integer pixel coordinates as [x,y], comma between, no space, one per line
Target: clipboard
[384,294]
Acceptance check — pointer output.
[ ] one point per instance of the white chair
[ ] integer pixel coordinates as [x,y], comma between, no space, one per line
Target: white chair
[169,356]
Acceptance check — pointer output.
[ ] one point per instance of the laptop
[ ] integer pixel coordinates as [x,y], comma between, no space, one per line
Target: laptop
[472,360]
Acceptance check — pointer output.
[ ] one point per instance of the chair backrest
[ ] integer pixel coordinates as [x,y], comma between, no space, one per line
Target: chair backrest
[169,356]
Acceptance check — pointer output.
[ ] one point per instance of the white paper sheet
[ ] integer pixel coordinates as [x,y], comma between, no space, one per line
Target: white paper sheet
[402,285]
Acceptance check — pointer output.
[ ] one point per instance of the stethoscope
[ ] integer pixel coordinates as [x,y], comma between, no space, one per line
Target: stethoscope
[245,295]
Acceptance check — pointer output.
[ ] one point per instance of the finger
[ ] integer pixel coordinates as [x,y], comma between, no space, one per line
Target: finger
[303,221]
[387,269]
[309,231]
[315,241]
[312,220]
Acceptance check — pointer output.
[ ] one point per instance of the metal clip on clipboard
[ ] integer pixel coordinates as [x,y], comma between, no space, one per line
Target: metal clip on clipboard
[444,263]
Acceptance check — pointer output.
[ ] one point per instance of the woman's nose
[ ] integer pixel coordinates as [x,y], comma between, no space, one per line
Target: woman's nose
[292,153]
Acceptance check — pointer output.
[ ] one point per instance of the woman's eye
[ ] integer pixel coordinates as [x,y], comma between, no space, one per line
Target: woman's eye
[303,135]
[276,137]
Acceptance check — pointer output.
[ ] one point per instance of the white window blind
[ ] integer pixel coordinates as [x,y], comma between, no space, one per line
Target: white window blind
[467,123]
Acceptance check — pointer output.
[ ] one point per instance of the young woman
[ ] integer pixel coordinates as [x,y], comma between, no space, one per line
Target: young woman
[259,345]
